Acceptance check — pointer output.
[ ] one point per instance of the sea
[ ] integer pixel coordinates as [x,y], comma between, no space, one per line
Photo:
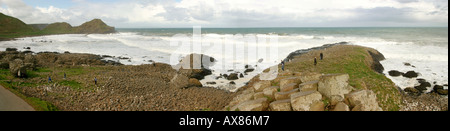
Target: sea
[424,48]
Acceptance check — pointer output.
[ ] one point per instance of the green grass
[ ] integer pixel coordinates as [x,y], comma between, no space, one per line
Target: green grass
[73,84]
[353,61]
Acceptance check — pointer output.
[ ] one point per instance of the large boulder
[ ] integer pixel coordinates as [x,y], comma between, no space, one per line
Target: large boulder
[289,80]
[411,74]
[195,66]
[363,100]
[309,86]
[302,101]
[194,83]
[261,85]
[285,95]
[288,87]
[412,91]
[260,104]
[281,105]
[423,86]
[245,96]
[270,92]
[341,106]
[313,76]
[17,68]
[233,76]
[179,81]
[395,73]
[334,84]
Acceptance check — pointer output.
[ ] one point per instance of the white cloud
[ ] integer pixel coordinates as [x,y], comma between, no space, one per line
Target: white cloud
[240,13]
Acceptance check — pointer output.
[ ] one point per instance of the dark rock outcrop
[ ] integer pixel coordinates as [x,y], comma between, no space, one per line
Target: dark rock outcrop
[186,66]
[410,74]
[395,73]
[423,86]
[233,76]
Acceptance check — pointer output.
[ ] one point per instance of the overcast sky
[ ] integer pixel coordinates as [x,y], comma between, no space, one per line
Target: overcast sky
[233,13]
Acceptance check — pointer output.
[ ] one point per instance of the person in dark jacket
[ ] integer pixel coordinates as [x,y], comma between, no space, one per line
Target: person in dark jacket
[315,61]
[321,56]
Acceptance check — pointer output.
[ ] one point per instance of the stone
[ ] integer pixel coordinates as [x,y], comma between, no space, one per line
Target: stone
[317,106]
[211,83]
[285,95]
[309,86]
[17,68]
[288,87]
[412,91]
[260,104]
[341,106]
[242,98]
[363,100]
[334,84]
[179,81]
[270,92]
[442,91]
[241,75]
[258,95]
[194,83]
[423,86]
[233,76]
[289,80]
[395,73]
[336,99]
[281,105]
[411,74]
[306,77]
[302,101]
[261,85]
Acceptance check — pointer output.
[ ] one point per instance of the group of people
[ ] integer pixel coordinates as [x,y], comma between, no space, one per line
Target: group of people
[315,61]
[65,76]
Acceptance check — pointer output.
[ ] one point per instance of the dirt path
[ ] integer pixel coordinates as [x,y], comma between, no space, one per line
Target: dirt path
[10,102]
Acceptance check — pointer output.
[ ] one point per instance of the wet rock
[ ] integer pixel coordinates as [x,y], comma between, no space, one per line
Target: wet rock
[232,82]
[412,91]
[211,83]
[407,64]
[233,76]
[241,75]
[11,49]
[442,91]
[395,73]
[423,86]
[410,74]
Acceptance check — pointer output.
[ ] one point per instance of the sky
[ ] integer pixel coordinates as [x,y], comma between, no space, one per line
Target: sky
[233,13]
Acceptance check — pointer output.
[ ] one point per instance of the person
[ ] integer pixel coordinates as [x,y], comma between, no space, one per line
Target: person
[321,56]
[282,65]
[315,61]
[95,80]
[64,75]
[49,79]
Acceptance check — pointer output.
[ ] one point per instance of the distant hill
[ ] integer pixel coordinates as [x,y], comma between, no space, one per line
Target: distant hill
[11,28]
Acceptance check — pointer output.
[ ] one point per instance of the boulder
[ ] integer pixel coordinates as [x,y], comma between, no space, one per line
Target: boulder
[289,80]
[242,98]
[288,87]
[285,95]
[412,91]
[17,68]
[437,87]
[395,73]
[195,66]
[341,106]
[211,83]
[334,84]
[260,104]
[270,92]
[194,83]
[317,106]
[410,74]
[336,99]
[258,95]
[442,91]
[363,100]
[261,85]
[281,105]
[233,76]
[306,77]
[309,86]
[302,101]
[11,49]
[423,86]
[179,81]
[241,75]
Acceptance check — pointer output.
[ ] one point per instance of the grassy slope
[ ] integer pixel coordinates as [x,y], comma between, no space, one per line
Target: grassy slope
[355,61]
[11,27]
[36,78]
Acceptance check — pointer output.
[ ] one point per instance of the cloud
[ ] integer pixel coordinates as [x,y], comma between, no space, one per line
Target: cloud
[239,13]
